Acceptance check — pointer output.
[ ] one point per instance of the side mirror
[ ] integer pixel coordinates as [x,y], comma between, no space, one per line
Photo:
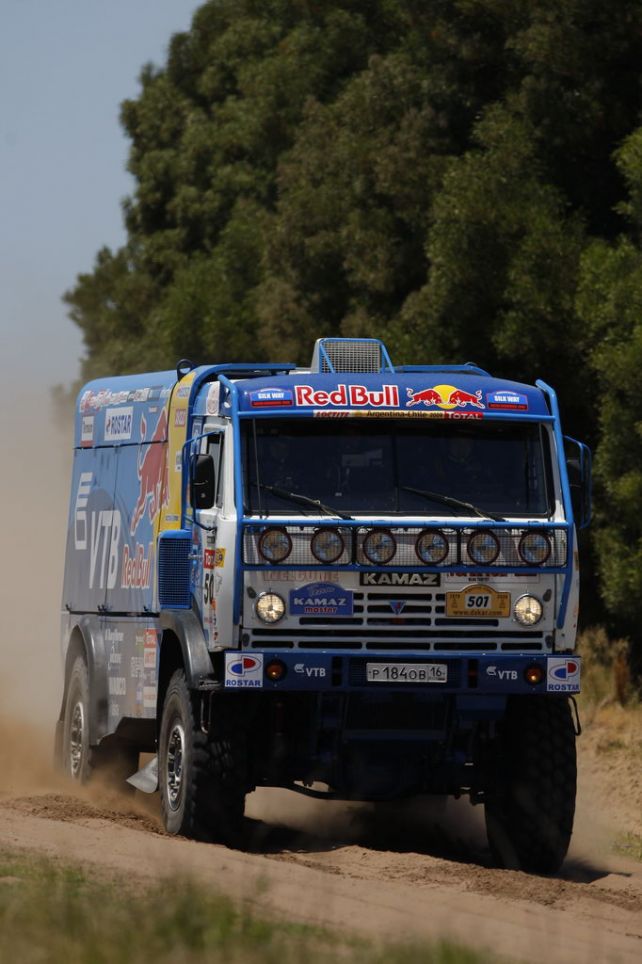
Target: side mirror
[202,481]
[578,467]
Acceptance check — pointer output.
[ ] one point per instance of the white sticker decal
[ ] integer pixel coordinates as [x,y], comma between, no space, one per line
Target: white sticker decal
[118,424]
[563,675]
[87,430]
[213,399]
[149,697]
[243,671]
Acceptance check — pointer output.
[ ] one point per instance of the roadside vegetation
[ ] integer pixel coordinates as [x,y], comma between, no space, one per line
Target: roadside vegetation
[606,673]
[61,915]
[610,747]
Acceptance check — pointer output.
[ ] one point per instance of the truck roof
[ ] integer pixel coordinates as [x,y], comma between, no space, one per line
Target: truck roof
[438,392]
[124,409]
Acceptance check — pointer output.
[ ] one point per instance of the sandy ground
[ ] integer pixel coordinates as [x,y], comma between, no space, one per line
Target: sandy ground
[401,873]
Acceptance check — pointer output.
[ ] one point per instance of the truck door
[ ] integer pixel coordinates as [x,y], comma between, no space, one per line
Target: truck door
[207,491]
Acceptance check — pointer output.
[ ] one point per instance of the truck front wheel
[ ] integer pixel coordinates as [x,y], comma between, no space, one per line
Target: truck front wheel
[530,807]
[202,788]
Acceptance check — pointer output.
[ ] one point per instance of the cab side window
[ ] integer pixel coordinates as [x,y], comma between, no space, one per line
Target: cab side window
[215,449]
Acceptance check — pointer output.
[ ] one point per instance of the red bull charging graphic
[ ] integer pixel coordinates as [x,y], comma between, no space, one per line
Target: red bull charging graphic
[151,469]
[444,397]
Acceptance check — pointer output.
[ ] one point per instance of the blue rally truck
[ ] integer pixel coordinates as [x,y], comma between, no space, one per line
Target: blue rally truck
[352,580]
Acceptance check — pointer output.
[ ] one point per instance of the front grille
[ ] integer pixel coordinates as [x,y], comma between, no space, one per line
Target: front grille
[376,626]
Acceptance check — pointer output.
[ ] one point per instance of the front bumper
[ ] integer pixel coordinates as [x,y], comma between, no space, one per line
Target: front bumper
[493,674]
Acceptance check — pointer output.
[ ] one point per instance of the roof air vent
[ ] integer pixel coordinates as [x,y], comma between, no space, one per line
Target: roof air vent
[350,355]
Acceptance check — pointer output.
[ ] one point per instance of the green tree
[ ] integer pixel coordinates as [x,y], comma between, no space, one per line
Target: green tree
[609,300]
[504,251]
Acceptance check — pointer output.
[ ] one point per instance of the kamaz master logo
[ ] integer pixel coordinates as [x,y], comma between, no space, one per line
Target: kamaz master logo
[321,599]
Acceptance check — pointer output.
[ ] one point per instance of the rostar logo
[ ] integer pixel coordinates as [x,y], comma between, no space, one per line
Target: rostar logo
[563,675]
[243,671]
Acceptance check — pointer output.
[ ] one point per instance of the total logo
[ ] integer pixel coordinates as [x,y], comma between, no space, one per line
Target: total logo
[563,675]
[243,671]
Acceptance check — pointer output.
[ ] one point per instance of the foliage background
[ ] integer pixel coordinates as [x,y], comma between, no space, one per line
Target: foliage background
[462,178]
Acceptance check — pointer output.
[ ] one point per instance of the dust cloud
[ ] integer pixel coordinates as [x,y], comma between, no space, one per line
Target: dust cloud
[36,468]
[437,825]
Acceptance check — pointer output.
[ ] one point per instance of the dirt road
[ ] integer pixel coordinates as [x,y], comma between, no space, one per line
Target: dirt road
[400,873]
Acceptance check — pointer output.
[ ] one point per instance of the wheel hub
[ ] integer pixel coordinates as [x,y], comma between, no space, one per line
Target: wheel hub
[76,734]
[174,768]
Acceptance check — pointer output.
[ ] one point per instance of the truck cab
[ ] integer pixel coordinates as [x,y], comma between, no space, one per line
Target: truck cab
[353,580]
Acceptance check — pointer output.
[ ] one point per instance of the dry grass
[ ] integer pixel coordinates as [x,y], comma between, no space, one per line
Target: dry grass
[606,675]
[58,914]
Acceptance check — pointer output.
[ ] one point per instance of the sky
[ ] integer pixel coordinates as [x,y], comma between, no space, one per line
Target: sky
[65,67]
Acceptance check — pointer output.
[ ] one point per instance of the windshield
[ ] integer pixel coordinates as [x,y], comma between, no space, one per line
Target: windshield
[388,467]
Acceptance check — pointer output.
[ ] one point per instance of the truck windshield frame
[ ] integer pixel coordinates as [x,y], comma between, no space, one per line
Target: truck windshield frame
[369,467]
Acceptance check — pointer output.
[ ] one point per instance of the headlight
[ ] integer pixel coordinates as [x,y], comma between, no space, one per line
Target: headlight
[270,607]
[379,546]
[483,547]
[327,545]
[528,610]
[275,545]
[534,548]
[431,547]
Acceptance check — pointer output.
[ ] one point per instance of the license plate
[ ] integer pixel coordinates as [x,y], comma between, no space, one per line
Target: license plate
[478,601]
[407,672]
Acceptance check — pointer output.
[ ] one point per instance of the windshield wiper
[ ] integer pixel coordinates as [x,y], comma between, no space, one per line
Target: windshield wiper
[301,499]
[453,503]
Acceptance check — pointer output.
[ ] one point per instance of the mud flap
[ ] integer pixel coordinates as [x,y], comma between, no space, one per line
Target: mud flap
[146,779]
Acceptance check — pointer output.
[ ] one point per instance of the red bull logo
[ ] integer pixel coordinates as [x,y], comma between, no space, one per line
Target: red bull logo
[355,396]
[153,478]
[445,397]
[136,567]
